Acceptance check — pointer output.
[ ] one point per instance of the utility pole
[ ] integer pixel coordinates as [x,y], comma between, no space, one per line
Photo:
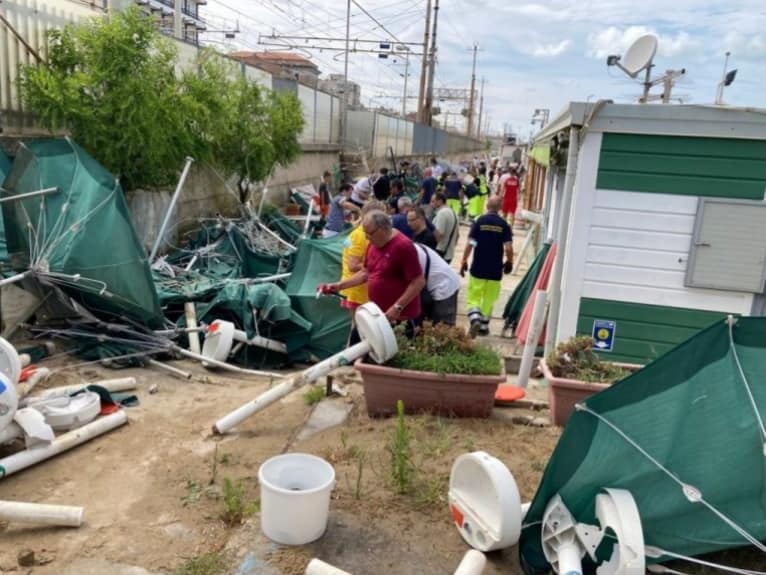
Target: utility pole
[469,124]
[424,65]
[406,73]
[428,108]
[481,111]
[344,101]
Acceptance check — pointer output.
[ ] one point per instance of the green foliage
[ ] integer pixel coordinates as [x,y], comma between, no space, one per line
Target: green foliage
[213,563]
[236,507]
[112,83]
[574,359]
[314,395]
[444,349]
[402,466]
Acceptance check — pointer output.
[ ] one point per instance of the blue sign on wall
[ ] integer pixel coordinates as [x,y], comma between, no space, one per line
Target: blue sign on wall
[603,334]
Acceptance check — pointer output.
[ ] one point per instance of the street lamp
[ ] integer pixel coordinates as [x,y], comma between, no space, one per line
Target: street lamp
[540,116]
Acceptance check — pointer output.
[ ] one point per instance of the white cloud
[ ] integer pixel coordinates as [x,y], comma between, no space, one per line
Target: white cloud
[548,50]
[614,40]
[751,46]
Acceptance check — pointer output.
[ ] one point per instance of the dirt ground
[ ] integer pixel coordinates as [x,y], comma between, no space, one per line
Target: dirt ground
[152,490]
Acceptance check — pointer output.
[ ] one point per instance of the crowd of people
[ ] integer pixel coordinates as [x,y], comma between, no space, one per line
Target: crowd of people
[399,251]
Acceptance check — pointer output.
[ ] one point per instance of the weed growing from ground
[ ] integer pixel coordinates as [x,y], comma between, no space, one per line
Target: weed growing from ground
[213,563]
[402,467]
[236,507]
[314,395]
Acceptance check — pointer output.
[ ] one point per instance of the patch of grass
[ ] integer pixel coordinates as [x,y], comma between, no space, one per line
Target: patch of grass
[236,507]
[402,467]
[432,492]
[213,563]
[444,349]
[314,395]
[193,492]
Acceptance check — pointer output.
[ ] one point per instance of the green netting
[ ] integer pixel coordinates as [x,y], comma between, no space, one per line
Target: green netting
[5,169]
[515,305]
[691,412]
[80,238]
[319,261]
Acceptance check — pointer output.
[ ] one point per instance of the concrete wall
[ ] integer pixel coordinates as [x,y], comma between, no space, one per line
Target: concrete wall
[204,195]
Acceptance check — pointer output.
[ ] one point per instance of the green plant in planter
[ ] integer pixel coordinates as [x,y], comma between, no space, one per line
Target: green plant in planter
[574,359]
[444,349]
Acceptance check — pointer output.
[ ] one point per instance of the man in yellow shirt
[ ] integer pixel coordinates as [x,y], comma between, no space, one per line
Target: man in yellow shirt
[355,247]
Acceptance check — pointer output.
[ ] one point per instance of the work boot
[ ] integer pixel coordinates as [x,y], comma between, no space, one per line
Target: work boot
[484,326]
[475,318]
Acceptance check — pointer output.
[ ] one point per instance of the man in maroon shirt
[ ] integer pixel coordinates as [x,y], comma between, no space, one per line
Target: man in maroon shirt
[391,270]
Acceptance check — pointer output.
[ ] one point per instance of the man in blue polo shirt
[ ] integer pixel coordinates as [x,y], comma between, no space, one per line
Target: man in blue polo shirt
[427,189]
[490,236]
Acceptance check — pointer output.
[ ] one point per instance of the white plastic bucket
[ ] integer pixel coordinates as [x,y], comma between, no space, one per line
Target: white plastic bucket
[295,497]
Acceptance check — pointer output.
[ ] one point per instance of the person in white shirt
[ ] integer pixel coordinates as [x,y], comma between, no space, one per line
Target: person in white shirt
[361,193]
[438,299]
[436,169]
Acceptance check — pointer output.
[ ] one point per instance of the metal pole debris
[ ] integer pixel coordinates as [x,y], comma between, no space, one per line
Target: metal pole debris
[171,207]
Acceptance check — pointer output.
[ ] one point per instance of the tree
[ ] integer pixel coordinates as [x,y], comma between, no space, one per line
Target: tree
[112,83]
[253,129]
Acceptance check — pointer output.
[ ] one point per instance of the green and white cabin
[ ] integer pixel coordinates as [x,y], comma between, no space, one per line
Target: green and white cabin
[660,221]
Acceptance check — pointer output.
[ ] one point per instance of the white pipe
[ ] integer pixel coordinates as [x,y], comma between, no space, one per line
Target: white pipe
[18,461]
[317,567]
[16,278]
[191,263]
[171,207]
[61,515]
[473,563]
[10,432]
[533,336]
[191,322]
[224,365]
[43,192]
[345,357]
[273,278]
[287,244]
[570,560]
[525,248]
[260,341]
[561,240]
[169,368]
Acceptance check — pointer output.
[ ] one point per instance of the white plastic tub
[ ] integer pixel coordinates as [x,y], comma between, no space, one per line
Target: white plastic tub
[295,497]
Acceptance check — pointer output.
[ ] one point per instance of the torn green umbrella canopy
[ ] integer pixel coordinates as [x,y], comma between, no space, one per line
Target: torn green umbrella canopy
[80,236]
[694,417]
[319,261]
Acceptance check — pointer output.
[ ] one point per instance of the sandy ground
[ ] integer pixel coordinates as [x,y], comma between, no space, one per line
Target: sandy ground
[152,491]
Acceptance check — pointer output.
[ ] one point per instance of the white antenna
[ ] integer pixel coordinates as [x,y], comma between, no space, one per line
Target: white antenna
[639,57]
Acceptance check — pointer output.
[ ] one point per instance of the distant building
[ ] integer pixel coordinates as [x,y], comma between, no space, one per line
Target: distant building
[334,84]
[282,65]
[178,18]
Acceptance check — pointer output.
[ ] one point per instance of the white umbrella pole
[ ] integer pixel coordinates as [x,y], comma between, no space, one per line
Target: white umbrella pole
[345,357]
[18,461]
[533,336]
[62,515]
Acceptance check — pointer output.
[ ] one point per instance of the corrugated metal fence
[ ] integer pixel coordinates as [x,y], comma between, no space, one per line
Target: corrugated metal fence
[370,131]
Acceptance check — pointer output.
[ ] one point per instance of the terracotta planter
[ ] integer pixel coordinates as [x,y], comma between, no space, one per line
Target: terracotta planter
[426,391]
[564,393]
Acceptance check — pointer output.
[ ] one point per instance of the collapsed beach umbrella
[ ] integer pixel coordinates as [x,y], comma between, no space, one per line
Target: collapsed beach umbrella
[68,226]
[685,436]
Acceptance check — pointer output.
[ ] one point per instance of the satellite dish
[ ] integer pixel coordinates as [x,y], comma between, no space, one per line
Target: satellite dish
[640,55]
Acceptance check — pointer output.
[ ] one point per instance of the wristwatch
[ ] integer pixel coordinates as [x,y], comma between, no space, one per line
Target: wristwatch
[399,307]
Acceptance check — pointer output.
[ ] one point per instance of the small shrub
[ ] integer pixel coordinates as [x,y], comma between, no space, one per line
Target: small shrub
[444,349]
[574,359]
[402,467]
[314,395]
[236,507]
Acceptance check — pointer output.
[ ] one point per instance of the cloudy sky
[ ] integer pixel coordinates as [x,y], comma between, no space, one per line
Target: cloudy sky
[531,55]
